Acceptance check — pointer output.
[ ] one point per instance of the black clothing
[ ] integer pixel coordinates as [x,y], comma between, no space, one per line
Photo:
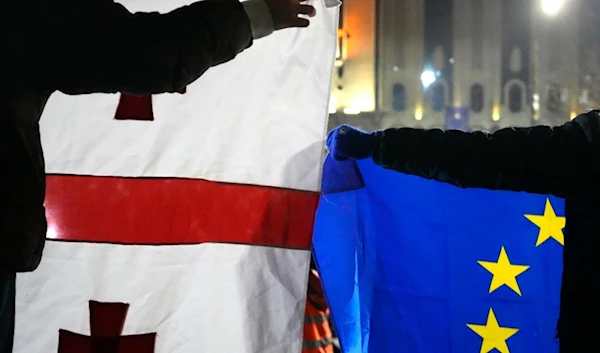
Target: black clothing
[7,311]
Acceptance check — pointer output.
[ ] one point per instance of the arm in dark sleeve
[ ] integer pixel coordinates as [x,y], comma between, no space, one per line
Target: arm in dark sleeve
[99,46]
[538,159]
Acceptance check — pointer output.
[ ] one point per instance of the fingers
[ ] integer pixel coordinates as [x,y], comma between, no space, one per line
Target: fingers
[294,13]
[300,23]
[307,10]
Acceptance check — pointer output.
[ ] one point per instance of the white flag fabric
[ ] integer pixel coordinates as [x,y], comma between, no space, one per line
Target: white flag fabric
[189,232]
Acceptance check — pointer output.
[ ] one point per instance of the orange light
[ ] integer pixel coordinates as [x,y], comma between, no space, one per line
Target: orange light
[419,113]
[496,112]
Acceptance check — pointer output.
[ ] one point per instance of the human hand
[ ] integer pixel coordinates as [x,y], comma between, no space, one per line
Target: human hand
[285,13]
[346,142]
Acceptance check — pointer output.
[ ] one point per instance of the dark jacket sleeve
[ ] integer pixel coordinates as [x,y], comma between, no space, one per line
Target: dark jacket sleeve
[537,159]
[88,46]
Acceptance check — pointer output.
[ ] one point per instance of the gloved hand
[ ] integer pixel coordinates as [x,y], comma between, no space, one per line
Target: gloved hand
[346,142]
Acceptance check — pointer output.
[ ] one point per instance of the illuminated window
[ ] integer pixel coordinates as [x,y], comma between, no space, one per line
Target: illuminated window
[515,98]
[399,101]
[438,98]
[477,98]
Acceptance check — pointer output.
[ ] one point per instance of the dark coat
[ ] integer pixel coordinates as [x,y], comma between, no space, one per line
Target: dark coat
[563,161]
[89,46]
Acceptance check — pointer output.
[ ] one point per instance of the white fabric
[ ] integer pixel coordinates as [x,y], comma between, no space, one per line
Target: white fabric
[215,298]
[259,119]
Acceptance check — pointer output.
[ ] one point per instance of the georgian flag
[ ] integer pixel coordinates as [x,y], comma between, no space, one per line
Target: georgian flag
[183,222]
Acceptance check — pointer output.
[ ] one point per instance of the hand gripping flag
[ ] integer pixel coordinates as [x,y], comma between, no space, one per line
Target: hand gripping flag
[189,231]
[414,265]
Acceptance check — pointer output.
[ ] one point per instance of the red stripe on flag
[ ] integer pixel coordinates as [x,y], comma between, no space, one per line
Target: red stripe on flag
[157,211]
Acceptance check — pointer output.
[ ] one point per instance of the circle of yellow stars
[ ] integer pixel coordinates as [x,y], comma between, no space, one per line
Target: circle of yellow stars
[505,273]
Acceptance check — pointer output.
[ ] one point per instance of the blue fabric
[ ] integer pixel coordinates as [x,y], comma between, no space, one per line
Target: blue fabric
[341,176]
[399,263]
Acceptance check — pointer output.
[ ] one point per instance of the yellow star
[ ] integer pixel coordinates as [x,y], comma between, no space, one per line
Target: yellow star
[493,335]
[550,225]
[504,272]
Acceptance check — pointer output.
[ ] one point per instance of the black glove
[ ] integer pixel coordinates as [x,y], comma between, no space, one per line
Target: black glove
[347,142]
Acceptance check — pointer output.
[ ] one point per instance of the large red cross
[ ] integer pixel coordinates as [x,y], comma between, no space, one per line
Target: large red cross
[136,107]
[106,326]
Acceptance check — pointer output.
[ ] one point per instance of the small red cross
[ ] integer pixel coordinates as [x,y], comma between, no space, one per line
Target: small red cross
[106,326]
[136,107]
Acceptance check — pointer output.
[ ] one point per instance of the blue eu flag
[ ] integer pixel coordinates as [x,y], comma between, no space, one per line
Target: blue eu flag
[412,265]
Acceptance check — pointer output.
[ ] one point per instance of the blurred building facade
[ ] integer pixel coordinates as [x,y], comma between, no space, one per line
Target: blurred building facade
[465,64]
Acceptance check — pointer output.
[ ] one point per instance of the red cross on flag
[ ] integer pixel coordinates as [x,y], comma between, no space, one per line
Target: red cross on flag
[190,231]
